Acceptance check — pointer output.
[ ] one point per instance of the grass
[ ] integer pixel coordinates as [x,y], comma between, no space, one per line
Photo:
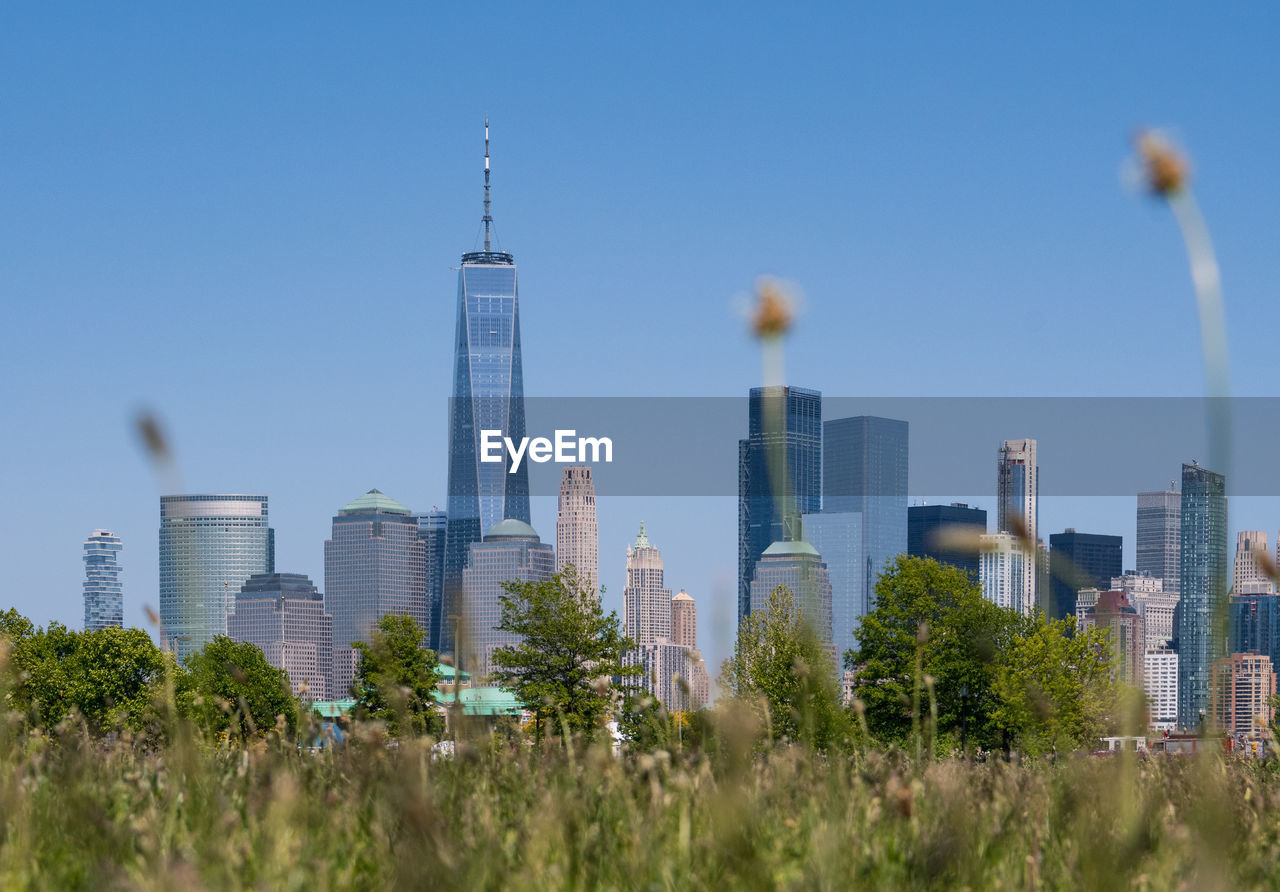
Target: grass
[80,814]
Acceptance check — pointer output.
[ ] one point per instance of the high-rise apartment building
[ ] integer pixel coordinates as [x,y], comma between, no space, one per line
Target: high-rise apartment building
[1002,572]
[103,593]
[933,530]
[431,530]
[779,474]
[684,620]
[1122,621]
[577,533]
[1157,608]
[209,545]
[510,552]
[1080,560]
[1244,693]
[374,564]
[1160,684]
[646,603]
[1251,550]
[283,615]
[1203,589]
[1018,511]
[488,394]
[1159,540]
[798,567]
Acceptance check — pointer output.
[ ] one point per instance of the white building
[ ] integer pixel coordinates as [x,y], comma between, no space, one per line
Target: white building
[1160,683]
[577,532]
[1017,503]
[1250,546]
[1003,575]
[646,604]
[1147,594]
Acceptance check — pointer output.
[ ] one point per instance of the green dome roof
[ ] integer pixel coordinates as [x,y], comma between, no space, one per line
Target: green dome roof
[511,529]
[374,502]
[790,549]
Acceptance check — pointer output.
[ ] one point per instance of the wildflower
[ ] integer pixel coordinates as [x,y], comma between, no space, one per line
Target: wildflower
[1164,168]
[773,312]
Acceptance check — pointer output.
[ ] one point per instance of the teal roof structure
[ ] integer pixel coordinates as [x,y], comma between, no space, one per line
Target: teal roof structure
[786,549]
[374,502]
[510,529]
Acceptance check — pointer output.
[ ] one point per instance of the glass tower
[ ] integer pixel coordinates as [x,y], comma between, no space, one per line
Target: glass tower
[1203,597]
[1080,560]
[374,564]
[488,394]
[1160,536]
[431,529]
[1018,508]
[103,595]
[928,528]
[209,545]
[783,449]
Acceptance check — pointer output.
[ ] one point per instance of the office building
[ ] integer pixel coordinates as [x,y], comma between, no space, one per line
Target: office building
[1249,569]
[1123,623]
[209,545]
[577,533]
[374,564]
[1203,589]
[1159,539]
[646,603]
[799,567]
[779,474]
[1080,560]
[838,538]
[283,615]
[488,394]
[510,552]
[1253,624]
[103,593]
[431,530]
[933,531]
[1156,607]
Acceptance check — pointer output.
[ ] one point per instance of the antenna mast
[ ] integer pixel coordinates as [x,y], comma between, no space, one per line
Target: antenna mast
[487,219]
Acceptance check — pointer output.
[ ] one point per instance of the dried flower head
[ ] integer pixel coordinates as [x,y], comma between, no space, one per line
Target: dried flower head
[774,310]
[1164,168]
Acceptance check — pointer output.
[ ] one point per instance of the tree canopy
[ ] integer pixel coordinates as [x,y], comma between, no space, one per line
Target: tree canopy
[396,678]
[569,652]
[229,686]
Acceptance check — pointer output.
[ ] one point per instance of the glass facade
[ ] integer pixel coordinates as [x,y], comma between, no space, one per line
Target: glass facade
[838,538]
[779,474]
[209,545]
[488,394]
[1254,625]
[103,593]
[1159,541]
[431,529]
[927,523]
[864,469]
[1202,605]
[799,567]
[511,551]
[374,564]
[282,614]
[1080,560]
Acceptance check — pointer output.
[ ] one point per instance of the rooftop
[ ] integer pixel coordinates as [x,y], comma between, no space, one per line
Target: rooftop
[510,529]
[374,502]
[790,549]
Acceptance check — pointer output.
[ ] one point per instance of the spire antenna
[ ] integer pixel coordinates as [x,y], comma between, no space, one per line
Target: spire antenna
[487,219]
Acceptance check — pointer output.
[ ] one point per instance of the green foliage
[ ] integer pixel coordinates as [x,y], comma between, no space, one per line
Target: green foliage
[104,677]
[780,667]
[1055,687]
[230,688]
[931,623]
[569,654]
[396,678]
[15,626]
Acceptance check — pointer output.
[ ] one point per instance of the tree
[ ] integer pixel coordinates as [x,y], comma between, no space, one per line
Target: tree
[1055,687]
[396,678]
[779,665]
[229,687]
[569,652]
[931,623]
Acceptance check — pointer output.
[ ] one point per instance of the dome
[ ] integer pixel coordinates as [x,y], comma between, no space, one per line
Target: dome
[510,529]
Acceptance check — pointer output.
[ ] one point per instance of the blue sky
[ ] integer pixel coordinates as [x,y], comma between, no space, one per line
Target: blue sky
[246,219]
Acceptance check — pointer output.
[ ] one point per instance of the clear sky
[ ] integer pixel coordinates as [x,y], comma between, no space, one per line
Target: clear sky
[245,217]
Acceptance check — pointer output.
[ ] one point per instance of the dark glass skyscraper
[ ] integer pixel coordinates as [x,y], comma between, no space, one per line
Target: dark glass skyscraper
[864,469]
[488,394]
[1203,604]
[784,425]
[1081,560]
[924,526]
[1255,625]
[431,530]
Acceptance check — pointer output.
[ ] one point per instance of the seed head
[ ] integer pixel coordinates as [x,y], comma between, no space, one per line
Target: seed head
[773,311]
[1164,168]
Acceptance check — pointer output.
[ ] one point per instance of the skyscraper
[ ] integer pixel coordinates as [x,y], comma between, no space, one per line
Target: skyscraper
[209,545]
[1080,560]
[799,567]
[1017,502]
[1159,541]
[103,594]
[684,620]
[431,530]
[1127,635]
[283,615]
[1246,690]
[1146,593]
[510,551]
[779,474]
[1254,624]
[374,564]
[1251,550]
[927,529]
[1203,597]
[577,535]
[838,539]
[646,603]
[488,394]
[1002,571]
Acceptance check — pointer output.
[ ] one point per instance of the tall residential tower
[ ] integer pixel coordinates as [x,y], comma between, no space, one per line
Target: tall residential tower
[1017,504]
[1203,598]
[103,595]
